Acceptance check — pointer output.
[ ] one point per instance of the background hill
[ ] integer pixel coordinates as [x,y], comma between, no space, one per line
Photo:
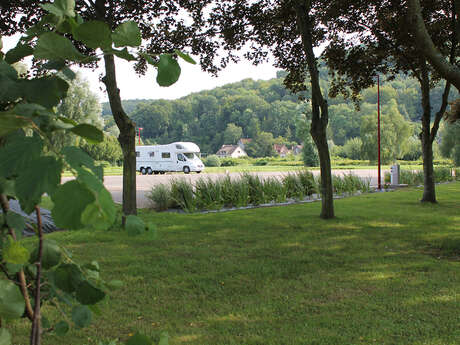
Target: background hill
[246,108]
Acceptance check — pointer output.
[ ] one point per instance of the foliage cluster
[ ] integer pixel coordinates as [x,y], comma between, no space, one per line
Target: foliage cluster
[415,177]
[33,156]
[246,190]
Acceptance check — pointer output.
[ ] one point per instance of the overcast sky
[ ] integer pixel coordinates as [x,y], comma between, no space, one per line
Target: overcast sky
[192,78]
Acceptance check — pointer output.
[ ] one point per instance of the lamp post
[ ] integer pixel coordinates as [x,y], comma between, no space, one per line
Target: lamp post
[378,134]
[140,129]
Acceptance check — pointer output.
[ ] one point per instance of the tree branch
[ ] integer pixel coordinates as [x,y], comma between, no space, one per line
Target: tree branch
[20,275]
[426,46]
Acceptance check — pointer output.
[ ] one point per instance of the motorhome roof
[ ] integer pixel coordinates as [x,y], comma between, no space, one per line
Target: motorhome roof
[176,146]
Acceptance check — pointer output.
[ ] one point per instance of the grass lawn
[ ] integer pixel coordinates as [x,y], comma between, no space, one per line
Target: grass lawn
[385,271]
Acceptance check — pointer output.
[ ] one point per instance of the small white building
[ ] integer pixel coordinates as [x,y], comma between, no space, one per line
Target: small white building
[231,151]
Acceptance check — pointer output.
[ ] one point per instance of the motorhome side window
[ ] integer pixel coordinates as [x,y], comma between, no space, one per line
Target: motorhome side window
[179,147]
[138,154]
[152,154]
[180,157]
[165,155]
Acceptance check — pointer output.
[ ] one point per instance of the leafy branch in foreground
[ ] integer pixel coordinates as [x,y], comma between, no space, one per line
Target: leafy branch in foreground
[30,167]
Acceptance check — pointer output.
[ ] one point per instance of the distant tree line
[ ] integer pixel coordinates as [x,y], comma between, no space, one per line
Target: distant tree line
[268,112]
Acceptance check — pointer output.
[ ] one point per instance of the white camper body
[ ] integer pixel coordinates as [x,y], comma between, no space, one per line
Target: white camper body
[158,159]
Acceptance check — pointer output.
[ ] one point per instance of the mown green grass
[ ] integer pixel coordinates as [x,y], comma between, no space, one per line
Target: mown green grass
[385,271]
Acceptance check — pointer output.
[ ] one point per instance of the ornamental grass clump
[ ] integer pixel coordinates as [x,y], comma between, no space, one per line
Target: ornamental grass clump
[235,192]
[274,190]
[160,197]
[443,174]
[182,195]
[208,194]
[411,178]
[307,181]
[293,186]
[255,187]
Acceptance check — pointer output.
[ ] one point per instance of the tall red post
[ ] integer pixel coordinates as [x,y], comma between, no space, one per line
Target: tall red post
[378,134]
[140,129]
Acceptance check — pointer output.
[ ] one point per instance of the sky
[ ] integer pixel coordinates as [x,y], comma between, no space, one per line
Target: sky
[192,79]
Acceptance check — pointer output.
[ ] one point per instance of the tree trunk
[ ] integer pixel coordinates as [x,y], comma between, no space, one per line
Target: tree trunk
[320,116]
[429,192]
[127,137]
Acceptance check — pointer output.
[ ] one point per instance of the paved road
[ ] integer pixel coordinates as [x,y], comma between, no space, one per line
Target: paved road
[146,182]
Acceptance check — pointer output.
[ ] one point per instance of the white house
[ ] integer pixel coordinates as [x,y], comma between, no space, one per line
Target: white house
[231,151]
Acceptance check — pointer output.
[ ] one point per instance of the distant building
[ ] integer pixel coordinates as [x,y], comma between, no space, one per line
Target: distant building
[231,151]
[281,150]
[297,149]
[243,142]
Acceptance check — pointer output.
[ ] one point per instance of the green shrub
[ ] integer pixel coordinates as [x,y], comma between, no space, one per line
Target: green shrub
[160,196]
[261,162]
[228,162]
[212,161]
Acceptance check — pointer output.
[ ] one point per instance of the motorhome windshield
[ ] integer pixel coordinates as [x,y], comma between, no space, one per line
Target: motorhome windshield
[190,155]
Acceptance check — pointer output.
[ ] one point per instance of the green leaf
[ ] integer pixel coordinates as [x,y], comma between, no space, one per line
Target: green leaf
[123,54]
[18,53]
[68,277]
[18,153]
[102,213]
[30,110]
[134,225]
[12,303]
[51,255]
[42,176]
[67,215]
[92,134]
[69,73]
[10,86]
[185,57]
[94,34]
[7,187]
[10,123]
[61,8]
[15,253]
[5,337]
[149,59]
[45,322]
[7,71]
[168,70]
[78,158]
[115,284]
[51,46]
[127,34]
[87,293]
[61,328]
[67,120]
[164,339]
[139,339]
[56,90]
[54,64]
[82,316]
[16,222]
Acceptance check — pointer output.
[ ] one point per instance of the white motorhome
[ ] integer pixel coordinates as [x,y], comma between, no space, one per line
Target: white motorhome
[158,159]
